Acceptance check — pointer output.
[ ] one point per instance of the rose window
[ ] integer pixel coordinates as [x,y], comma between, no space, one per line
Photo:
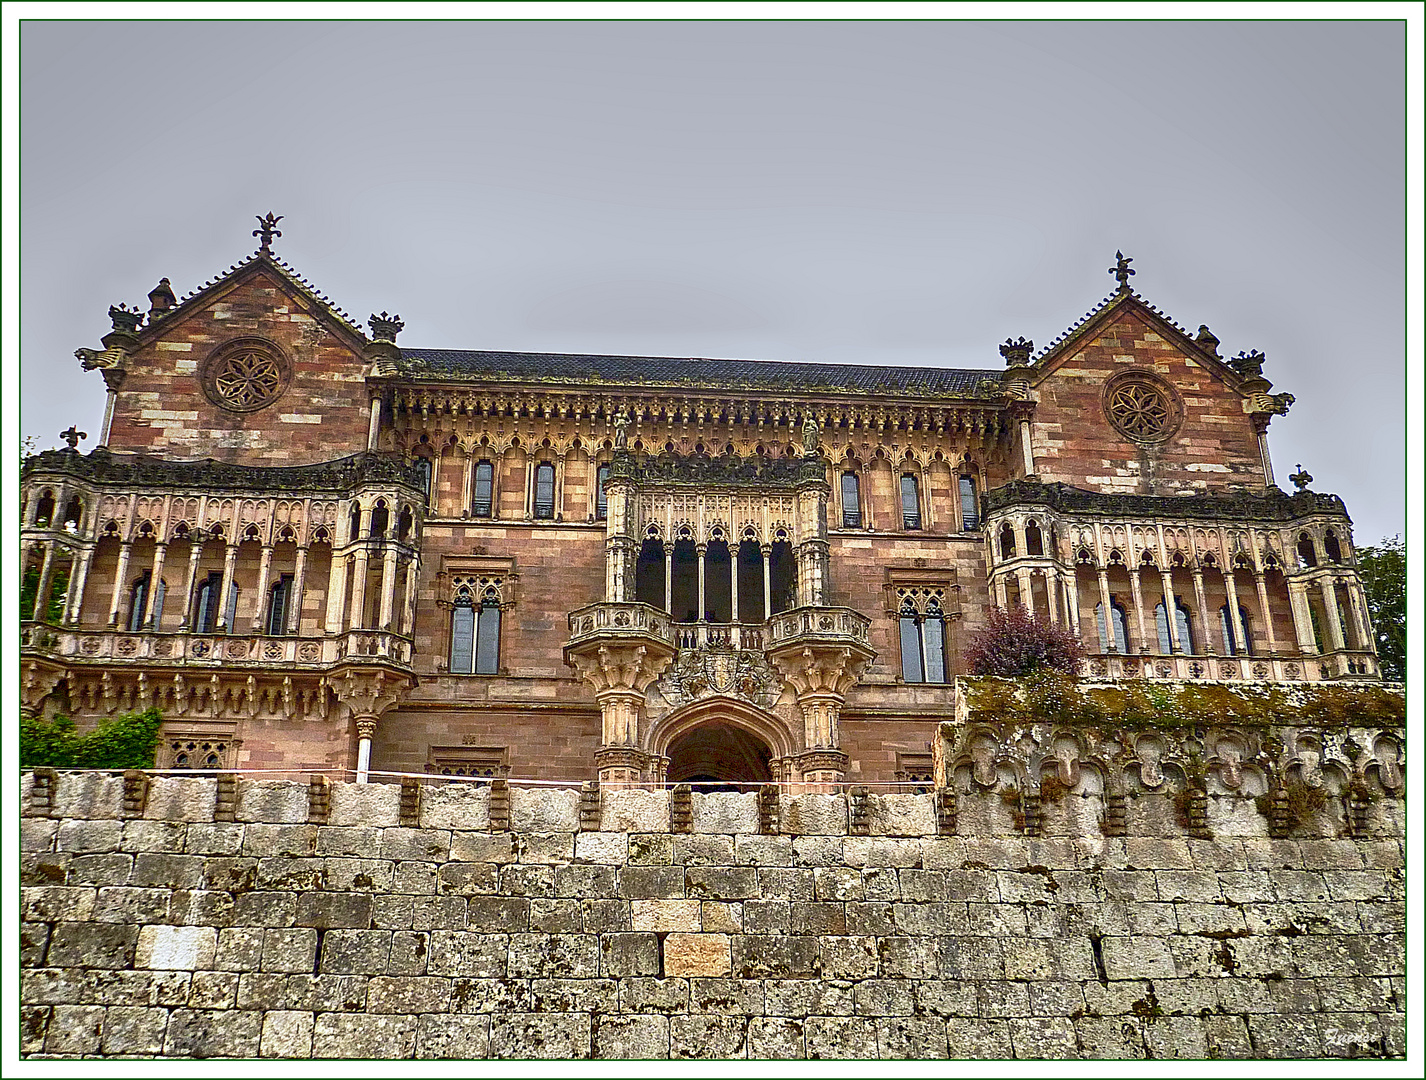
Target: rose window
[247,380]
[245,375]
[1141,411]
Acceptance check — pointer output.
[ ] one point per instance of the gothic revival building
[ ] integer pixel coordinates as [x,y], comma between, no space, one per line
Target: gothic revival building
[316,549]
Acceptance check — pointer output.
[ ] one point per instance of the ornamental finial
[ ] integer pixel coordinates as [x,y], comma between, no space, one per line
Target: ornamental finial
[267,229]
[1301,478]
[72,436]
[1017,353]
[1121,271]
[385,327]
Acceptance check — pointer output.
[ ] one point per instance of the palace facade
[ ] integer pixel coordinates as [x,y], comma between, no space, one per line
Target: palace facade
[315,548]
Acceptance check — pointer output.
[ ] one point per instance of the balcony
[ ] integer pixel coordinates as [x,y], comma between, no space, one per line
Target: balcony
[736,636]
[208,650]
[1246,669]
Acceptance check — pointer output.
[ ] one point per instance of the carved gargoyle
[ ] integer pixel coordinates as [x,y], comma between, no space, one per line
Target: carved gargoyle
[89,359]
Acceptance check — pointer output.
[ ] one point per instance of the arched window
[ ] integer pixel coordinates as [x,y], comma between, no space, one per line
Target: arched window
[1034,539]
[380,519]
[481,504]
[1121,627]
[923,644]
[139,598]
[851,501]
[1306,552]
[910,503]
[423,473]
[1181,624]
[1007,541]
[1231,645]
[475,634]
[544,490]
[278,602]
[970,514]
[1333,546]
[205,608]
[601,501]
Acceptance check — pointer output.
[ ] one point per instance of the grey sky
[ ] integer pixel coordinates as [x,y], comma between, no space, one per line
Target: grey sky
[902,193]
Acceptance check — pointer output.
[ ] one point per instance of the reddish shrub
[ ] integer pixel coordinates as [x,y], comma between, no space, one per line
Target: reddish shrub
[1017,643]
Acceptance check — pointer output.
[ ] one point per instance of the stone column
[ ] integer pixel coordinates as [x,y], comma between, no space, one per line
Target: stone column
[702,603]
[620,672]
[74,602]
[668,578]
[734,554]
[1301,618]
[366,731]
[1071,590]
[336,593]
[1108,607]
[195,553]
[1137,588]
[155,580]
[225,617]
[1052,596]
[1171,611]
[374,428]
[1235,616]
[388,585]
[120,573]
[408,618]
[109,398]
[767,581]
[264,574]
[1334,620]
[820,674]
[1002,599]
[299,585]
[46,569]
[1261,581]
[1027,593]
[1202,604]
[359,564]
[1360,620]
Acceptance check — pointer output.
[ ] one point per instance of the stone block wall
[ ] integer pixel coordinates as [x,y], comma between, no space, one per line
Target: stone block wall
[201,917]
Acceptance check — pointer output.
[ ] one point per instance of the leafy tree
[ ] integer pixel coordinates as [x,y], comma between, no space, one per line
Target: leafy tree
[125,742]
[1383,571]
[1017,643]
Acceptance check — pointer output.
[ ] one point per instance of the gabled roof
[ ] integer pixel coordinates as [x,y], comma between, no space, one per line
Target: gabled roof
[238,272]
[1098,316]
[688,372]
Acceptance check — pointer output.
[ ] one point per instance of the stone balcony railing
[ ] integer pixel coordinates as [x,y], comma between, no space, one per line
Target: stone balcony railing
[823,625]
[619,620]
[241,650]
[1248,669]
[736,636]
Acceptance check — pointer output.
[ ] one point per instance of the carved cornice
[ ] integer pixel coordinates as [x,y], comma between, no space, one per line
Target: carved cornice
[1274,506]
[137,470]
[669,470]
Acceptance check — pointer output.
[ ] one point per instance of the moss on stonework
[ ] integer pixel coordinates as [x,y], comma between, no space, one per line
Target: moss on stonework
[1055,698]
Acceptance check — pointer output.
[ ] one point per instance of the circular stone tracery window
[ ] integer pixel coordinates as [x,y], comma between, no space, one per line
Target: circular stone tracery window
[1141,408]
[245,375]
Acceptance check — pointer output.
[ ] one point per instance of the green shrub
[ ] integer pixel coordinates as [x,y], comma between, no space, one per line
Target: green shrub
[125,742]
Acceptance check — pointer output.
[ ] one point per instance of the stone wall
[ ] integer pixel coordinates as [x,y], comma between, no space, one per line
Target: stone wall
[231,917]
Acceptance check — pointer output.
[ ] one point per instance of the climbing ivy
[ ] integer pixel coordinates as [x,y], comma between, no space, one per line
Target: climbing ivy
[125,742]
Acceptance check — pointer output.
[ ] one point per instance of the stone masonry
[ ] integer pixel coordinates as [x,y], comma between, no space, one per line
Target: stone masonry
[211,917]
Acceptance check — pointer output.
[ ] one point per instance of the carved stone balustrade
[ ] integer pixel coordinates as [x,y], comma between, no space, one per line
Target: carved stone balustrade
[1056,757]
[240,650]
[1232,669]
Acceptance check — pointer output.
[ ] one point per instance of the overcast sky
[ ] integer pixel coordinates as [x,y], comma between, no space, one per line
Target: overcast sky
[899,193]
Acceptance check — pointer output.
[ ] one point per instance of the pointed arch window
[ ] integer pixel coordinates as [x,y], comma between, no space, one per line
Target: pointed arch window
[139,598]
[482,503]
[910,502]
[544,491]
[1181,624]
[851,501]
[1231,645]
[923,643]
[279,602]
[475,634]
[1121,627]
[424,473]
[970,512]
[601,501]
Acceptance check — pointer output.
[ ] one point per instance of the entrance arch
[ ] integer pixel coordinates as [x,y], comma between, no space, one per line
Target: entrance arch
[722,740]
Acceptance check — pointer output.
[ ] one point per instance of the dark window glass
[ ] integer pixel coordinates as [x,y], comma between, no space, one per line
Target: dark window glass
[1007,541]
[277,605]
[911,670]
[970,516]
[601,504]
[462,639]
[910,503]
[487,641]
[1121,628]
[138,597]
[851,502]
[205,618]
[544,490]
[933,636]
[423,468]
[484,487]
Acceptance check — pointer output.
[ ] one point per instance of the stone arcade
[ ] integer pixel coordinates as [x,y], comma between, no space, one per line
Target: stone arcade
[315,549]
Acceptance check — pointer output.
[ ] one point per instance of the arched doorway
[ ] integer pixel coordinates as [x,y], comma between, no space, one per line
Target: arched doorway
[717,756]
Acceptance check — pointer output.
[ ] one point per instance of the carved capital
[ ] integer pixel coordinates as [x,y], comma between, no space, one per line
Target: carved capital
[38,680]
[369,693]
[612,667]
